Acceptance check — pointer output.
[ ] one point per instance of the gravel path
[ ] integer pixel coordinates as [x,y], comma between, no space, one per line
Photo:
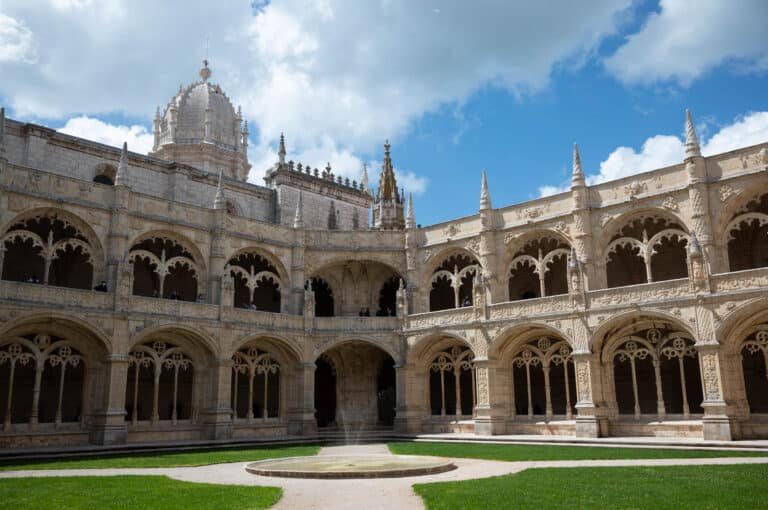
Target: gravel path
[382,493]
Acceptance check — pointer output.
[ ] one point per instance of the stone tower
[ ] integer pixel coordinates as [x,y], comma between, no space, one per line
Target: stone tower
[389,205]
[201,128]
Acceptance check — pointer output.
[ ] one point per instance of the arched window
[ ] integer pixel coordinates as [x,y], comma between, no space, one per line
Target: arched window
[388,295]
[56,395]
[754,362]
[452,382]
[452,282]
[649,248]
[160,377]
[103,179]
[255,385]
[48,250]
[656,370]
[257,284]
[748,236]
[543,378]
[162,267]
[539,269]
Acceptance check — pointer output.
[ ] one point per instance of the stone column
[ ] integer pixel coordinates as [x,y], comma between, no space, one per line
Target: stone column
[588,417]
[216,259]
[489,419]
[217,416]
[117,241]
[109,425]
[717,424]
[308,421]
[296,306]
[408,414]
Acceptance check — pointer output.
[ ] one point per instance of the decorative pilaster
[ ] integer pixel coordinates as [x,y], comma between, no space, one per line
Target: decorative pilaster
[717,424]
[119,228]
[109,425]
[588,418]
[217,417]
[308,421]
[489,419]
[582,224]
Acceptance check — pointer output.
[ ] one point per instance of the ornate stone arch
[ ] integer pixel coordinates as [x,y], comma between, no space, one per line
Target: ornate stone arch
[536,264]
[66,326]
[430,343]
[181,239]
[267,255]
[644,246]
[733,327]
[744,237]
[509,339]
[83,238]
[201,346]
[384,345]
[616,223]
[289,350]
[625,323]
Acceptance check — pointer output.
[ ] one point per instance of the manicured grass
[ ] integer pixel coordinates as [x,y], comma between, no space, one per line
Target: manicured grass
[144,492]
[197,458]
[521,452]
[669,487]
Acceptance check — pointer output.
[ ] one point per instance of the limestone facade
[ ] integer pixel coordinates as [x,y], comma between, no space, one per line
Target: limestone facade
[632,307]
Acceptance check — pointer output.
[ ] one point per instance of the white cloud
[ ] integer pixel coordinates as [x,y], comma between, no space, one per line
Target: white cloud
[17,43]
[686,39]
[664,150]
[138,138]
[338,75]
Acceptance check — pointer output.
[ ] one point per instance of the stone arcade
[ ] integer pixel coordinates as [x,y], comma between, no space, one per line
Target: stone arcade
[633,307]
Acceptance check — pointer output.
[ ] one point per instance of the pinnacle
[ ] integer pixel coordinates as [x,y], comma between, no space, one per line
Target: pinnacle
[692,149]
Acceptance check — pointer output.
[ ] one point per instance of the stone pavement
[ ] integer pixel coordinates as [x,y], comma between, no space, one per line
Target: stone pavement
[373,494]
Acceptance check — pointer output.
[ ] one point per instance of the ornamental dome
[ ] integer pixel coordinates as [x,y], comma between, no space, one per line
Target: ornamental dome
[201,113]
[200,127]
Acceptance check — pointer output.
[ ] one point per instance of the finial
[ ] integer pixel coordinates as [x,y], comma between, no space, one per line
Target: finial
[281,150]
[692,149]
[386,147]
[485,197]
[220,202]
[298,218]
[410,218]
[577,179]
[205,71]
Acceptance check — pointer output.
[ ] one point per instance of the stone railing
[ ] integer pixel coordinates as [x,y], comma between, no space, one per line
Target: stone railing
[748,279]
[58,297]
[177,308]
[641,293]
[356,324]
[450,317]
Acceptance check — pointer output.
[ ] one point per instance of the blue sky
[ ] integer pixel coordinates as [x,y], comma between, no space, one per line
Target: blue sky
[502,86]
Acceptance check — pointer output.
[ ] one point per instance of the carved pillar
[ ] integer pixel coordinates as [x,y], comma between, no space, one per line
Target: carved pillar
[589,421]
[308,422]
[109,425]
[296,305]
[216,259]
[718,425]
[117,241]
[217,415]
[407,416]
[701,222]
[489,419]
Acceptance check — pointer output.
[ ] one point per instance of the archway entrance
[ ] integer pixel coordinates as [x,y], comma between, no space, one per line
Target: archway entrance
[355,387]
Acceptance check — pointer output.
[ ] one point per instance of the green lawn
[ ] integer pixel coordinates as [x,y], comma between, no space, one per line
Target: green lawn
[198,458]
[520,452]
[134,492]
[670,487]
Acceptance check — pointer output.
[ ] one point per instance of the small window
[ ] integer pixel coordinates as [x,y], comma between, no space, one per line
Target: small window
[103,179]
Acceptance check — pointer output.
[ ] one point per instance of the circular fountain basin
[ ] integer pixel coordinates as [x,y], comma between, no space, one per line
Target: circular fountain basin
[351,466]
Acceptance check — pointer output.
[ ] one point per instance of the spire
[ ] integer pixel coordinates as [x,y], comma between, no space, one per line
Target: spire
[692,149]
[410,219]
[577,179]
[281,150]
[485,197]
[364,178]
[121,176]
[298,218]
[220,202]
[387,182]
[205,71]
